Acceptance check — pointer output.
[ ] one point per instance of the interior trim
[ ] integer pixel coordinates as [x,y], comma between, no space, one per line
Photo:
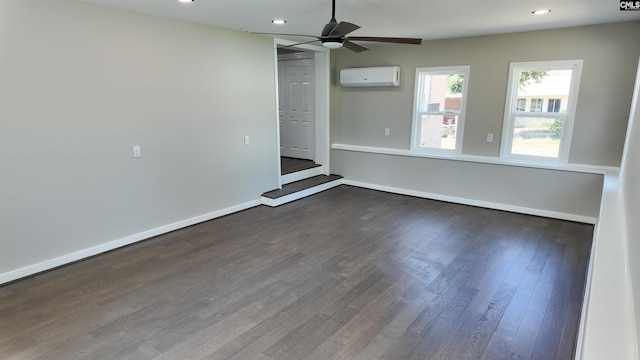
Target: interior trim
[581,168]
[608,297]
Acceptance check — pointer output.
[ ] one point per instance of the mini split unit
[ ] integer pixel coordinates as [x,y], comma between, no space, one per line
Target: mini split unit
[370,76]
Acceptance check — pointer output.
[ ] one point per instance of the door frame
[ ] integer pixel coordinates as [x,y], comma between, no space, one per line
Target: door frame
[303,55]
[321,89]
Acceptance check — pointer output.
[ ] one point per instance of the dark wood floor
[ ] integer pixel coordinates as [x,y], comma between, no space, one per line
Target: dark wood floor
[346,274]
[290,165]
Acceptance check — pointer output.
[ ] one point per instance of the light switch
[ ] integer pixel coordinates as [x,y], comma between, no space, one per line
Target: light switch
[247,140]
[137,152]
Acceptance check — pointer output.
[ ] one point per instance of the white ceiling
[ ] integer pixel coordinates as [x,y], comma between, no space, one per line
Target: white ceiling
[426,19]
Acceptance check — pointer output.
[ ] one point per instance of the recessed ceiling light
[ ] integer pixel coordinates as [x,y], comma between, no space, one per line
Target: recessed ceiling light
[278,21]
[541,12]
[186,1]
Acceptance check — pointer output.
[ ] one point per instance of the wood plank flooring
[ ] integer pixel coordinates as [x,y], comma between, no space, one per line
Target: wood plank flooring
[348,273]
[290,165]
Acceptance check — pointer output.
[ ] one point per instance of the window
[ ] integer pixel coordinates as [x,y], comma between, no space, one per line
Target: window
[536,105]
[554,105]
[438,117]
[521,105]
[542,133]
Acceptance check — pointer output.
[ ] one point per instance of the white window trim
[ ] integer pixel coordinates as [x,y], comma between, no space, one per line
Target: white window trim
[415,123]
[512,93]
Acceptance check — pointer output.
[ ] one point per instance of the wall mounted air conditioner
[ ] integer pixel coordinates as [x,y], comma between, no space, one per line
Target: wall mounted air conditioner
[370,76]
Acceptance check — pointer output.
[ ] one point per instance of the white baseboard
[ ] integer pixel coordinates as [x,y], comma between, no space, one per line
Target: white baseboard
[82,254]
[301,194]
[479,203]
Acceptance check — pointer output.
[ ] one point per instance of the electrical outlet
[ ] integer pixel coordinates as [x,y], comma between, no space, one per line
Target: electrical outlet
[489,137]
[137,152]
[387,131]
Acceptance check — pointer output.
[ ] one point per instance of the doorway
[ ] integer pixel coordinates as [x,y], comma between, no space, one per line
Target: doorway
[296,100]
[321,86]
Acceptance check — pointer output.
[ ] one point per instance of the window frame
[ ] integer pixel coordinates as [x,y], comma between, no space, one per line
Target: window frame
[510,111]
[416,122]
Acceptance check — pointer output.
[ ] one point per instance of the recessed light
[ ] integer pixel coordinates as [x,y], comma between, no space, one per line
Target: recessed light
[541,12]
[186,1]
[278,21]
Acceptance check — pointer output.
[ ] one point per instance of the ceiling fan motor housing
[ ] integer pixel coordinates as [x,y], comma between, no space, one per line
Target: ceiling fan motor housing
[332,40]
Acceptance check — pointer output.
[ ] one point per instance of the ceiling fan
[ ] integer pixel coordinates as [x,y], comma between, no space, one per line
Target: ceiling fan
[334,35]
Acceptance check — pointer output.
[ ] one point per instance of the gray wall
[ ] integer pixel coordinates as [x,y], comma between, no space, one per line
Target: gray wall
[80,85]
[490,183]
[359,116]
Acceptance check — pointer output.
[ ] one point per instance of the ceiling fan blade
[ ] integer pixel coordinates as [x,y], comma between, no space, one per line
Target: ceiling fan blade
[343,29]
[413,41]
[327,29]
[261,33]
[302,43]
[353,46]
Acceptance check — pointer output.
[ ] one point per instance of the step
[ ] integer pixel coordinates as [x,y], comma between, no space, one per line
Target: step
[300,175]
[291,165]
[299,189]
[294,169]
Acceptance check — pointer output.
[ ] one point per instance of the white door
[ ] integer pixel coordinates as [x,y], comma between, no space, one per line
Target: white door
[297,123]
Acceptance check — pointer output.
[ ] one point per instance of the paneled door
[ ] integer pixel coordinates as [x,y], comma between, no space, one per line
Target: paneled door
[297,121]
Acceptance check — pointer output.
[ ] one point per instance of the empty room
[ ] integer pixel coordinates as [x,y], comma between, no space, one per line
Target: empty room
[393,180]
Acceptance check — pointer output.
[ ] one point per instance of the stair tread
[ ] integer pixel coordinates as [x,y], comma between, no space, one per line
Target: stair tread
[301,185]
[292,165]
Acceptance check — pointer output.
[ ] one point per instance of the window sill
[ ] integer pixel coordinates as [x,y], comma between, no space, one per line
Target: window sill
[582,168]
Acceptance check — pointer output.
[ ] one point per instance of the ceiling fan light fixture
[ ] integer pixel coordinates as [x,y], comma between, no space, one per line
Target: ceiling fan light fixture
[332,44]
